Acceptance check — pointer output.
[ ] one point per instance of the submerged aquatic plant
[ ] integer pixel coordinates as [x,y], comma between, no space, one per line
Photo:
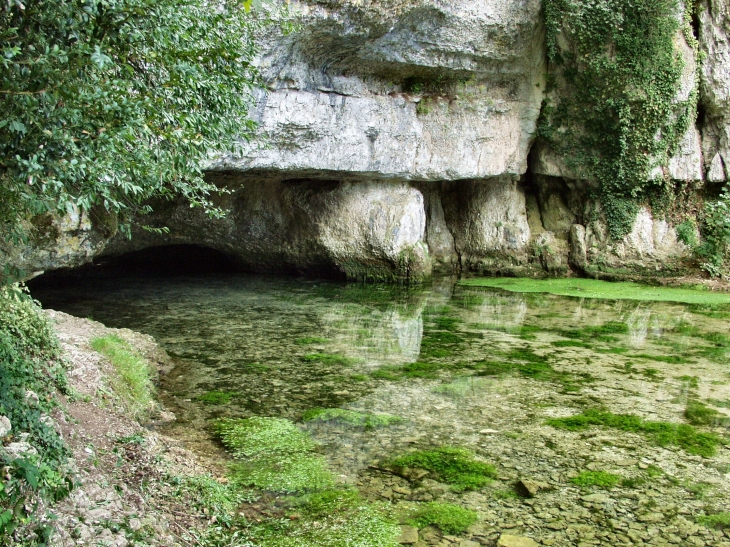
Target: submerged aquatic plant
[660,433]
[602,479]
[273,454]
[455,466]
[215,397]
[351,417]
[332,518]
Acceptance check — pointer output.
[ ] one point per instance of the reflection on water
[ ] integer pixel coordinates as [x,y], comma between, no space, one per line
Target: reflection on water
[463,366]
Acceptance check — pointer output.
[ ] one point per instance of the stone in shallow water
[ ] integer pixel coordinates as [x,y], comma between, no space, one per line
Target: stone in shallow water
[506,540]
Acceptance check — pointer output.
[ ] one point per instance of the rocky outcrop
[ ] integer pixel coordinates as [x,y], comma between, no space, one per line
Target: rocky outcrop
[396,138]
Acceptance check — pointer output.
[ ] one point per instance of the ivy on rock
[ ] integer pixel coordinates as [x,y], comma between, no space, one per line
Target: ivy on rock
[618,117]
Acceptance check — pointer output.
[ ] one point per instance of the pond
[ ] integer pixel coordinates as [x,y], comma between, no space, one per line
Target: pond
[602,422]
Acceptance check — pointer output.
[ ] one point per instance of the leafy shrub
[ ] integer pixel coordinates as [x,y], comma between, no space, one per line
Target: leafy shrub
[29,362]
[716,231]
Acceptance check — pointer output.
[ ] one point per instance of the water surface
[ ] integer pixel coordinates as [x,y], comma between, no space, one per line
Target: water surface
[463,366]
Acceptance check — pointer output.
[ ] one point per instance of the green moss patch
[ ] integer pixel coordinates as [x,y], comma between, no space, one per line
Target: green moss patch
[351,417]
[450,518]
[592,288]
[273,454]
[602,479]
[454,466]
[660,433]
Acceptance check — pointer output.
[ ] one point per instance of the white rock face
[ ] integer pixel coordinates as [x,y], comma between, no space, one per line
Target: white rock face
[413,89]
[652,243]
[488,220]
[5,426]
[714,37]
[55,242]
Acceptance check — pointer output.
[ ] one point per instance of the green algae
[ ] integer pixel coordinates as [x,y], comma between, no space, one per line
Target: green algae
[452,465]
[309,340]
[697,413]
[660,433]
[593,288]
[215,397]
[351,417]
[273,454]
[448,517]
[331,359]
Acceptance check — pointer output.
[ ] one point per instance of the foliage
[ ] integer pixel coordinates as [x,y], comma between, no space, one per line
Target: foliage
[455,466]
[30,374]
[107,104]
[687,232]
[618,119]
[661,433]
[601,479]
[716,231]
[273,454]
[133,382]
[450,518]
[351,417]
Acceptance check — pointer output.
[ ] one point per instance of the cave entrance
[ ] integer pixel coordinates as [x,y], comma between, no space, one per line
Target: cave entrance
[162,261]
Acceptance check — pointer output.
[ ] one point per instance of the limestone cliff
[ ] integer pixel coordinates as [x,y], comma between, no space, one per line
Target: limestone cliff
[396,138]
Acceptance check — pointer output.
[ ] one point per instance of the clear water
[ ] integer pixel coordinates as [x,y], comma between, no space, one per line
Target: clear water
[247,336]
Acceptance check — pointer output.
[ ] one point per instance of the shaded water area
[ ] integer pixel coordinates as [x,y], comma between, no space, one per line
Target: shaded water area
[483,369]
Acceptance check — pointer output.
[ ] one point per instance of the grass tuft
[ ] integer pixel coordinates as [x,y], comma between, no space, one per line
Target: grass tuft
[331,359]
[332,518]
[134,379]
